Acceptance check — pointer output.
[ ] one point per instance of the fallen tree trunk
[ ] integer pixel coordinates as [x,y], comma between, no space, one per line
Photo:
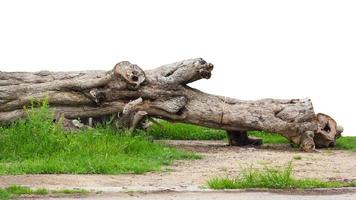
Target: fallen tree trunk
[163,93]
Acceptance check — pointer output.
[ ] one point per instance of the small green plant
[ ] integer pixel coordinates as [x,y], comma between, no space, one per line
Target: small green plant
[14,191]
[272,178]
[297,157]
[4,195]
[41,191]
[70,191]
[36,145]
[19,190]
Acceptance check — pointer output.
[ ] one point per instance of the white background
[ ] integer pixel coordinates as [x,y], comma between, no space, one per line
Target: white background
[278,49]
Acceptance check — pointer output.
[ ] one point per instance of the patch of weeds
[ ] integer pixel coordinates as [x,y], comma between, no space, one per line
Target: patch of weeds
[272,178]
[19,190]
[15,191]
[4,195]
[297,157]
[70,191]
[41,191]
[36,145]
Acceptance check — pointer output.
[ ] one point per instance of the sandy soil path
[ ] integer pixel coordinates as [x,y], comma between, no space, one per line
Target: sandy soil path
[207,196]
[218,160]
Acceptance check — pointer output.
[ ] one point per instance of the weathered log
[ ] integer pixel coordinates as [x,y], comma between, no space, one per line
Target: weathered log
[163,93]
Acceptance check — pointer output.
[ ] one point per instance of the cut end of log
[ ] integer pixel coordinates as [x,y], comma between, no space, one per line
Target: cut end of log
[328,131]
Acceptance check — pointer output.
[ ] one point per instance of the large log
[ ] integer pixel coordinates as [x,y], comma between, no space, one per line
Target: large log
[163,93]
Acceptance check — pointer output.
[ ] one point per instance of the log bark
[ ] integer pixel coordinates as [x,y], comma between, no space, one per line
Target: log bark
[133,94]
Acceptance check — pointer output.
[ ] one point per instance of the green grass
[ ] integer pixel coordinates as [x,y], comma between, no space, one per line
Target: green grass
[36,145]
[15,191]
[21,190]
[180,131]
[4,195]
[297,157]
[272,178]
[347,143]
[70,191]
[269,138]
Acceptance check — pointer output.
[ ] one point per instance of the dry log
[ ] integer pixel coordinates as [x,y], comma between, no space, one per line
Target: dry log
[134,94]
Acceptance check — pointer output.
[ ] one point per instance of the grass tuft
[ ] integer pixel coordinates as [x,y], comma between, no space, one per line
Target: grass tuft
[36,145]
[272,178]
[19,190]
[4,195]
[70,191]
[41,191]
[297,157]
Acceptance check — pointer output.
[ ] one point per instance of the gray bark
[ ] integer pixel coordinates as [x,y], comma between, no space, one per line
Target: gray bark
[163,93]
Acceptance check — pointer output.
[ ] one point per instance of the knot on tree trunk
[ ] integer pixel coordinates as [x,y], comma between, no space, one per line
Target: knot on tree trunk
[131,73]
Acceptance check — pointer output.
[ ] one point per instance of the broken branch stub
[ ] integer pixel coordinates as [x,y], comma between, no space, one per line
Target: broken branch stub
[163,93]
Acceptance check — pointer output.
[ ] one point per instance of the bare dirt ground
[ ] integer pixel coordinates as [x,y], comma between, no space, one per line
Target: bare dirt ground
[223,195]
[191,175]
